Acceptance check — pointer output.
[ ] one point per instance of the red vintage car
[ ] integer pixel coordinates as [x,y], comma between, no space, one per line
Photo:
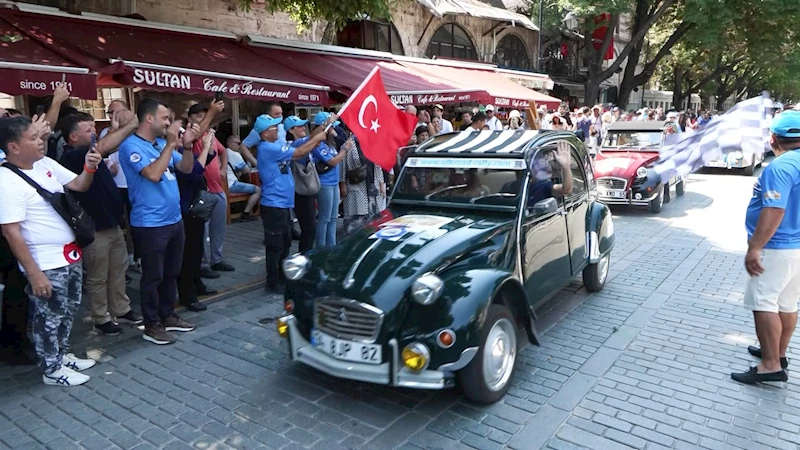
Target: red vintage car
[620,167]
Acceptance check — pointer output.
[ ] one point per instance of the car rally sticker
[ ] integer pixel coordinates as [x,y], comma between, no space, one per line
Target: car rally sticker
[395,229]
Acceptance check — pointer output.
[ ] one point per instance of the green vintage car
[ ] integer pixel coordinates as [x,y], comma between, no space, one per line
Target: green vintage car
[482,229]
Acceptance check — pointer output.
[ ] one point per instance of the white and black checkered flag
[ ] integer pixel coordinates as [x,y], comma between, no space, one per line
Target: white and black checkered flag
[744,128]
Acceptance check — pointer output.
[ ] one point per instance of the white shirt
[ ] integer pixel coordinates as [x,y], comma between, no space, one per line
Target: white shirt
[119,178]
[447,127]
[235,160]
[49,238]
[494,124]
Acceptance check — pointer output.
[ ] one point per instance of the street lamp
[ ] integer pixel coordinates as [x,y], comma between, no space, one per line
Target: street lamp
[571,21]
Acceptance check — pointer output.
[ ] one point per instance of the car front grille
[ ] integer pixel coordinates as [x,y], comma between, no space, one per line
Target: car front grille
[612,183]
[347,319]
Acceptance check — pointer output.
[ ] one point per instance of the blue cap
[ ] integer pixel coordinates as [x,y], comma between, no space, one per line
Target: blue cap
[293,121]
[786,124]
[264,121]
[321,117]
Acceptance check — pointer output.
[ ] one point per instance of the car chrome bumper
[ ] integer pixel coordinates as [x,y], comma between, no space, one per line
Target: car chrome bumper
[735,164]
[627,200]
[391,373]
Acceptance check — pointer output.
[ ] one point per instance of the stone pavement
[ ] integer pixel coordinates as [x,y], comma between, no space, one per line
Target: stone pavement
[643,364]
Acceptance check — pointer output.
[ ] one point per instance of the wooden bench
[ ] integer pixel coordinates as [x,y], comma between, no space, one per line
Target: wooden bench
[236,199]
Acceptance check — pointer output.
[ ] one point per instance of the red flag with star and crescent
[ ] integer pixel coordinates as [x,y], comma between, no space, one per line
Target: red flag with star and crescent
[381,128]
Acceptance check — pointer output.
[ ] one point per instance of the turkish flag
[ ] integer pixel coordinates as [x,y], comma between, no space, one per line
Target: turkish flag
[380,127]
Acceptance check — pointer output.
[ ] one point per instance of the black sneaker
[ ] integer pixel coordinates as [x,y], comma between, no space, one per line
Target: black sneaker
[130,318]
[196,307]
[752,376]
[206,272]
[756,351]
[223,267]
[108,329]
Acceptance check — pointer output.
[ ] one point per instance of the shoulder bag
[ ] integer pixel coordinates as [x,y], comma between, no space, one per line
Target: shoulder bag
[306,178]
[204,202]
[67,206]
[358,174]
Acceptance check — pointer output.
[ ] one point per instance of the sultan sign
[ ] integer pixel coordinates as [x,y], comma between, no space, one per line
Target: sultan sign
[431,99]
[160,80]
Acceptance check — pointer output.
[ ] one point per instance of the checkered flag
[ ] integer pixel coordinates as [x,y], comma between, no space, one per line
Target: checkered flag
[744,128]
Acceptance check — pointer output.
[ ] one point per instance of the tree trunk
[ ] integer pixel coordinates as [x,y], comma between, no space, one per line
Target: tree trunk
[592,94]
[677,86]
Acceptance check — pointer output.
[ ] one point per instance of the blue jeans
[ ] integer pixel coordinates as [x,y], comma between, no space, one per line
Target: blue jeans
[328,212]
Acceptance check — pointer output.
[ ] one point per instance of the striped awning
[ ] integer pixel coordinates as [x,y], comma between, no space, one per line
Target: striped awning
[483,142]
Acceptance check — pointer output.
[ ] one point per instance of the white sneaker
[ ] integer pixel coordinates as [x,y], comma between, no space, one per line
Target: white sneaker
[73,362]
[65,377]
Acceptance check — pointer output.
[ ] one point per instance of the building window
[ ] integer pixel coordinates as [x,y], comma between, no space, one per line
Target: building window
[512,54]
[451,41]
[371,35]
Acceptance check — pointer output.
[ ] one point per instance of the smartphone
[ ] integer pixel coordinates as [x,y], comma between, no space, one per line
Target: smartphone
[218,96]
[94,141]
[40,110]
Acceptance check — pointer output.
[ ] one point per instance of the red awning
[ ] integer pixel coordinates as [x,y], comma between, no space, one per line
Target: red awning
[502,91]
[344,74]
[166,60]
[30,68]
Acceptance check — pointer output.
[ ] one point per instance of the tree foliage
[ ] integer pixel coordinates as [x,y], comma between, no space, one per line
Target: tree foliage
[335,12]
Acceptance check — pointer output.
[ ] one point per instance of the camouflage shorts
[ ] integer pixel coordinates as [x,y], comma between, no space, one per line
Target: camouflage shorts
[51,318]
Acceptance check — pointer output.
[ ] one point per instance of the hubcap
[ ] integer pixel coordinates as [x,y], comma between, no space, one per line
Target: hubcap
[602,269]
[499,354]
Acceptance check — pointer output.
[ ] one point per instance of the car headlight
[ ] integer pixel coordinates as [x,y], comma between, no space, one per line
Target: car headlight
[737,155]
[427,289]
[641,172]
[295,267]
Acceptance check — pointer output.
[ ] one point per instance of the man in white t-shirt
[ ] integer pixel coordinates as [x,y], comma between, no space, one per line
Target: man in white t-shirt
[236,165]
[44,244]
[492,122]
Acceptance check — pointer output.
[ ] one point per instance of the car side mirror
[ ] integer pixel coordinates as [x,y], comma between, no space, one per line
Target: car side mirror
[544,207]
[580,135]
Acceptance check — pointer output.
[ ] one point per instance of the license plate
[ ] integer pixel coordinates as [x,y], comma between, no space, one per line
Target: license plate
[611,194]
[717,164]
[346,350]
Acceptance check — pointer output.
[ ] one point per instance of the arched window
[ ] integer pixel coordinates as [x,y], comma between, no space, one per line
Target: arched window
[370,35]
[451,41]
[511,53]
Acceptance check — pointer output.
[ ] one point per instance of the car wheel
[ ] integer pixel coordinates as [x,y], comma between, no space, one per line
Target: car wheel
[751,169]
[680,188]
[657,204]
[667,193]
[488,376]
[595,275]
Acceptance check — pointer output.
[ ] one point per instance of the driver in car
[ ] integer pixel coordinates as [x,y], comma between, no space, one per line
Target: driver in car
[542,186]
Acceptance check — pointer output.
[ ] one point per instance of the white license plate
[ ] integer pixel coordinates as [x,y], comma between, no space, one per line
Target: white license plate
[611,194]
[346,350]
[717,164]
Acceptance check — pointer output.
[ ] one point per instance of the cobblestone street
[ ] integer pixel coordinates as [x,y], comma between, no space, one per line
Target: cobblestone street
[643,364]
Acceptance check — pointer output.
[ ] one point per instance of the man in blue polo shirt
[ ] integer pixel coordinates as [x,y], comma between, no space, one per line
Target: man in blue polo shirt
[277,191]
[149,166]
[773,253]
[251,141]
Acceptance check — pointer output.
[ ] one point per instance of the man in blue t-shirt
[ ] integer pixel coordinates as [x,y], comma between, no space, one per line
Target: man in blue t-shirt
[149,165]
[250,142]
[277,191]
[773,253]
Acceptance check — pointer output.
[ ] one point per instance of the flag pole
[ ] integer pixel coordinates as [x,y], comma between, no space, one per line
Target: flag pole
[355,93]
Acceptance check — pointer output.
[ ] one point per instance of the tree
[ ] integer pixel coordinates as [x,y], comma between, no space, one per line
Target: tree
[335,12]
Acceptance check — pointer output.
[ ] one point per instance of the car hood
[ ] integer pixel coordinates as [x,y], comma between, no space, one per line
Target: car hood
[622,164]
[382,260]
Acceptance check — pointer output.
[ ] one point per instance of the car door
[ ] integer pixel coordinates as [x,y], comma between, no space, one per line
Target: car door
[545,245]
[576,205]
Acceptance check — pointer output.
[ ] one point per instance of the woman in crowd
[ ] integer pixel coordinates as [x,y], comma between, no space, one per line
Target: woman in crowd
[304,205]
[190,285]
[363,188]
[327,159]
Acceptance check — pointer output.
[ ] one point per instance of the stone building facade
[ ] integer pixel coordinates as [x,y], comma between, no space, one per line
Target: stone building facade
[415,24]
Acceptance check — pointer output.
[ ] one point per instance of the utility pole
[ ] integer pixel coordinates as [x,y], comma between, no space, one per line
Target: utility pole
[539,36]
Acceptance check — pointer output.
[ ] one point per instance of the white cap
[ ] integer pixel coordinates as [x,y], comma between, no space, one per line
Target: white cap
[514,113]
[489,108]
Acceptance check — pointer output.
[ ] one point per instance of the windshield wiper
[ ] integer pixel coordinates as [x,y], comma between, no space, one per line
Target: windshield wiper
[444,189]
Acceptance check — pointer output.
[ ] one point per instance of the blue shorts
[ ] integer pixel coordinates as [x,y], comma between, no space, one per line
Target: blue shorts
[242,188]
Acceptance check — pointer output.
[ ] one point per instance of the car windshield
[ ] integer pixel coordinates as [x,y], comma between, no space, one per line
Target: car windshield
[633,139]
[461,181]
